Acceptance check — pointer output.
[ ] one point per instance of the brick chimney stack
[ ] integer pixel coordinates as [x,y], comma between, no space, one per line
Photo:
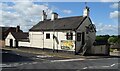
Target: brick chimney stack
[54,16]
[44,16]
[18,28]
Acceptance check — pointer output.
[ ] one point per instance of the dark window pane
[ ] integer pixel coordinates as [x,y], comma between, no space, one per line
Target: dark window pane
[69,36]
[47,36]
[78,36]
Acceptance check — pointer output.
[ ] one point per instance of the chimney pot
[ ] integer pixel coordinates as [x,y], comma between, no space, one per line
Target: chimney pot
[54,16]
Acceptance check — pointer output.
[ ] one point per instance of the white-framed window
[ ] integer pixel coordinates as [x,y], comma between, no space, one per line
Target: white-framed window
[69,36]
[47,35]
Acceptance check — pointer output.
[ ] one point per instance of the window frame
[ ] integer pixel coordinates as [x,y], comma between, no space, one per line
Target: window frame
[47,35]
[69,36]
[78,36]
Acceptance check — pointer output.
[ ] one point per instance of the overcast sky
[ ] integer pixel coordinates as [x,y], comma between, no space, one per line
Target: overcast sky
[26,14]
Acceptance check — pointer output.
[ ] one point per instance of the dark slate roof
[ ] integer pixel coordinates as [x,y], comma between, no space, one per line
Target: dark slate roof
[20,36]
[5,30]
[100,42]
[67,23]
[4,33]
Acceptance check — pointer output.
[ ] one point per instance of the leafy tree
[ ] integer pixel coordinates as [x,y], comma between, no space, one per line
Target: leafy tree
[102,37]
[118,40]
[113,39]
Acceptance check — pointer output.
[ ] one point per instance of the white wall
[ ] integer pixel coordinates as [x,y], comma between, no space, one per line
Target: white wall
[24,44]
[7,40]
[36,39]
[20,43]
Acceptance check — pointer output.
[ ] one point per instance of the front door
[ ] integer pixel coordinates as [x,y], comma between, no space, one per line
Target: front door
[11,42]
[16,43]
[83,38]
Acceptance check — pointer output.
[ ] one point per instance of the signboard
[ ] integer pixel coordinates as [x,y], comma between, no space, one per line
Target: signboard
[67,44]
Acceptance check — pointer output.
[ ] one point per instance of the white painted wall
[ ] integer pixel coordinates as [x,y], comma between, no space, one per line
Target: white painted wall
[38,39]
[7,40]
[24,44]
[20,43]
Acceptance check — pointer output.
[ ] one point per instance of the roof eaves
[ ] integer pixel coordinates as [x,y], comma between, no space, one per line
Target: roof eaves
[13,35]
[92,25]
[81,22]
[52,30]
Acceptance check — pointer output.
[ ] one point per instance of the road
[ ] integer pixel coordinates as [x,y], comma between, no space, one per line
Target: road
[21,60]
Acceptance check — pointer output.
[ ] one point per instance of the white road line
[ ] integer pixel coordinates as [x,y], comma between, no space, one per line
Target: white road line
[66,60]
[42,56]
[5,65]
[105,66]
[101,66]
[85,67]
[6,52]
[112,65]
[18,54]
[34,62]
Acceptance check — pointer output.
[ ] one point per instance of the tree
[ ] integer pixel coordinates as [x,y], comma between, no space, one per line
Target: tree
[102,37]
[113,39]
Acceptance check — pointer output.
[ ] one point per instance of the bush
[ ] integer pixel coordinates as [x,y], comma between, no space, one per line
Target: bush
[111,50]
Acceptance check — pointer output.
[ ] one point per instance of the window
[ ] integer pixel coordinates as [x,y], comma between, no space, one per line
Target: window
[78,36]
[87,30]
[47,36]
[69,36]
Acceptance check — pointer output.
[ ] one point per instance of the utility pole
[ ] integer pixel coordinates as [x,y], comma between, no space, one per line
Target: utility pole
[43,40]
[53,36]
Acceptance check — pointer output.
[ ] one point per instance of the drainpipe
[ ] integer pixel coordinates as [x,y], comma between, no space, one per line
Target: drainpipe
[57,43]
[53,37]
[43,40]
[75,42]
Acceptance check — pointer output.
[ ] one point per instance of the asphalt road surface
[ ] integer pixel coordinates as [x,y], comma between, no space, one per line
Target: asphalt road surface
[20,60]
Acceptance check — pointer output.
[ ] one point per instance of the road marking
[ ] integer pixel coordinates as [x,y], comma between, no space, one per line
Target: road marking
[105,66]
[112,65]
[101,66]
[18,54]
[44,56]
[34,62]
[6,52]
[66,60]
[85,67]
[15,64]
[5,65]
[93,67]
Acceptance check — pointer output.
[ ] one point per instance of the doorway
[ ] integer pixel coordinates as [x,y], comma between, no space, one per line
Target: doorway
[16,43]
[83,38]
[11,43]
